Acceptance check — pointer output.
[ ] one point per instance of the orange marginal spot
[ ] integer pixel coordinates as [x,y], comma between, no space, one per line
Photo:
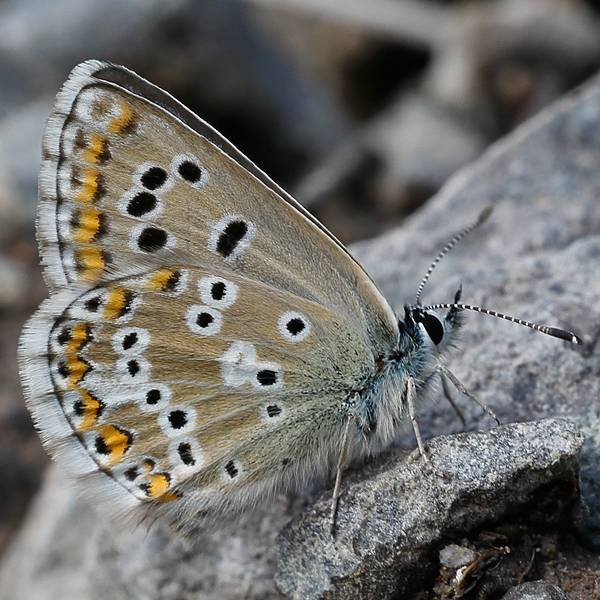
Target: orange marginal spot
[89,409]
[123,121]
[158,485]
[159,280]
[114,443]
[88,225]
[90,261]
[169,497]
[89,185]
[115,303]
[97,150]
[79,335]
[76,368]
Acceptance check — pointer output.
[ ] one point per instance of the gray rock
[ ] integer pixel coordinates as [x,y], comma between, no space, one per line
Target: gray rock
[389,521]
[536,590]
[590,478]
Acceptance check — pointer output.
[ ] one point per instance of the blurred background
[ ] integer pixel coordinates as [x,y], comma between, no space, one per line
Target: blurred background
[360,108]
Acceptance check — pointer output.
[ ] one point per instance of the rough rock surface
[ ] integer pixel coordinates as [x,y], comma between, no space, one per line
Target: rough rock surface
[536,590]
[391,521]
[538,257]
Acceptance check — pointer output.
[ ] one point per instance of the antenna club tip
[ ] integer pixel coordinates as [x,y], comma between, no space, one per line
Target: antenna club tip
[575,339]
[485,213]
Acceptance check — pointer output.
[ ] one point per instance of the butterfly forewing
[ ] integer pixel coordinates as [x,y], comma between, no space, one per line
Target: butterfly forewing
[128,183]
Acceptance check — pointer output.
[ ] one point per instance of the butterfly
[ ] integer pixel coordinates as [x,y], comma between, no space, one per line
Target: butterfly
[207,343]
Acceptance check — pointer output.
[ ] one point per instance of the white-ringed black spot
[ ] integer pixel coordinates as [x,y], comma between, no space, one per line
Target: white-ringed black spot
[153,396]
[152,239]
[204,319]
[153,178]
[188,168]
[295,326]
[185,453]
[266,377]
[178,419]
[130,340]
[189,171]
[217,290]
[231,236]
[142,203]
[231,470]
[133,367]
[273,410]
[132,473]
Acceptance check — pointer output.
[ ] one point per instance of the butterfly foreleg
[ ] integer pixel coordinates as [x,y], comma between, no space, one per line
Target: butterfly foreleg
[450,399]
[411,395]
[444,371]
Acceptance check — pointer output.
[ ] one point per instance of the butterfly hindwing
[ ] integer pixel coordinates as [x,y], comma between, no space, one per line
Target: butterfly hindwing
[177,382]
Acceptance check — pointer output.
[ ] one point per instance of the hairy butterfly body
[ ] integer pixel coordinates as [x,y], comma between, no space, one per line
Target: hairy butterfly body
[206,342]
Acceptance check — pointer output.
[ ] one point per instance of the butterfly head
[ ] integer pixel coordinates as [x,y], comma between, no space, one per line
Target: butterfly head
[435,329]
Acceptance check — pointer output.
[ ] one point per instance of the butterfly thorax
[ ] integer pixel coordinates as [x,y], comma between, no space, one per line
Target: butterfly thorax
[422,339]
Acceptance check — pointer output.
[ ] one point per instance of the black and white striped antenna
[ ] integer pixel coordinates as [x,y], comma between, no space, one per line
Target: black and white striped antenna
[551,331]
[481,219]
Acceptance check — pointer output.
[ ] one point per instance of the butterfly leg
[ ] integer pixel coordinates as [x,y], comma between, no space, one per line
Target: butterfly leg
[450,399]
[338,476]
[411,394]
[463,390]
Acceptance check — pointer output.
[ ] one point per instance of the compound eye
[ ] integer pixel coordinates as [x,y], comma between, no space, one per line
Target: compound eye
[433,327]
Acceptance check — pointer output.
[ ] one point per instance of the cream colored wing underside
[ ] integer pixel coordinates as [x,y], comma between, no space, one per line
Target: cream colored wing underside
[188,389]
[125,184]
